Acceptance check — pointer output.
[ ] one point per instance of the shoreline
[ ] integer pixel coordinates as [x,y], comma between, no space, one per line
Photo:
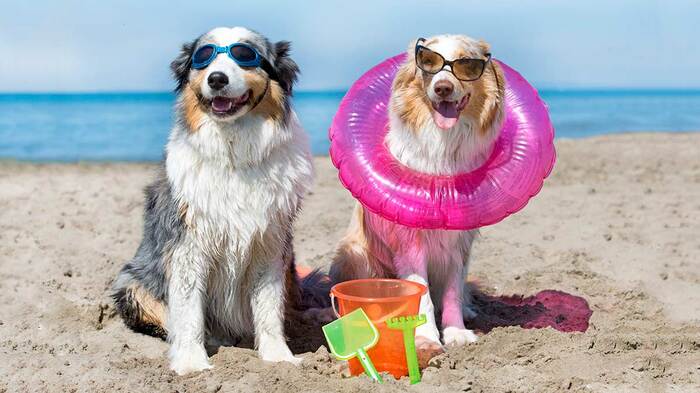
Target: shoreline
[6,160]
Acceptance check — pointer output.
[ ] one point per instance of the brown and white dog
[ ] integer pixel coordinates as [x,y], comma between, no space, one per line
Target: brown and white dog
[440,125]
[216,261]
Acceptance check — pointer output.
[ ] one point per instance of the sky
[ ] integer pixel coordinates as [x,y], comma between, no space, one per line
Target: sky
[127,45]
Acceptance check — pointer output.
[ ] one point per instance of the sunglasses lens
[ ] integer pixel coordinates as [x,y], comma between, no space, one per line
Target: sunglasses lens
[428,60]
[203,55]
[468,69]
[243,54]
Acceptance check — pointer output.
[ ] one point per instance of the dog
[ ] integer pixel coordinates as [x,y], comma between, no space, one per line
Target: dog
[216,261]
[442,125]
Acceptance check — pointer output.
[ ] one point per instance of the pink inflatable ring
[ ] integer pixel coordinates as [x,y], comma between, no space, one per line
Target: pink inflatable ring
[522,157]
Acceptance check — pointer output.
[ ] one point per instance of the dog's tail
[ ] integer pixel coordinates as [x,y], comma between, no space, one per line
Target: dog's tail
[315,286]
[139,309]
[313,296]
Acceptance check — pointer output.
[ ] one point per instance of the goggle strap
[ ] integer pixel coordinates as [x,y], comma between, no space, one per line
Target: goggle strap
[267,67]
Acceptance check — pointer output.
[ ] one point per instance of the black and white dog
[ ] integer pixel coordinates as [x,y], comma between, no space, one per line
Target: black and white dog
[216,259]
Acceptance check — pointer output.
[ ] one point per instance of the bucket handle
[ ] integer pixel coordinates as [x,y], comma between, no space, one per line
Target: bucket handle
[333,306]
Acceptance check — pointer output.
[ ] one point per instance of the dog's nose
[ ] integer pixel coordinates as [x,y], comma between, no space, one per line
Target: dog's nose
[217,80]
[444,88]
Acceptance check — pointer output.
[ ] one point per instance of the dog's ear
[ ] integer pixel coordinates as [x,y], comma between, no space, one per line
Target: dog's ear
[412,48]
[287,70]
[182,64]
[406,74]
[408,71]
[484,47]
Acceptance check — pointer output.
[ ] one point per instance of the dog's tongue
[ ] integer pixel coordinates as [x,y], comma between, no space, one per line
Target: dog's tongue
[445,114]
[221,104]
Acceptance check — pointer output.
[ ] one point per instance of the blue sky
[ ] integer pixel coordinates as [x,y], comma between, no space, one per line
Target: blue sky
[127,45]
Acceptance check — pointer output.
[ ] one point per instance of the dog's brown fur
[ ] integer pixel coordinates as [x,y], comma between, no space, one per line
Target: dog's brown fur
[192,108]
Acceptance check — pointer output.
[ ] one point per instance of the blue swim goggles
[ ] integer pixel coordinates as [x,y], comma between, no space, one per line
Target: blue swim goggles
[244,55]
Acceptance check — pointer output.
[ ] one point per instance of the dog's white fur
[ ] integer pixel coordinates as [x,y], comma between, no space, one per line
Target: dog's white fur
[439,259]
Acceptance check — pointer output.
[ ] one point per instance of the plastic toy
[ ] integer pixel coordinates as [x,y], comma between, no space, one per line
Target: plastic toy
[350,336]
[408,325]
[381,300]
[522,157]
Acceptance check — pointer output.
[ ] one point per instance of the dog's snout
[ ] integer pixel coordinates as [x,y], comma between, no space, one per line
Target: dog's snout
[217,80]
[444,88]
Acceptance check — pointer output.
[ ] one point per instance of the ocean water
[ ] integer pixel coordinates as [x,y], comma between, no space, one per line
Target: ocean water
[134,126]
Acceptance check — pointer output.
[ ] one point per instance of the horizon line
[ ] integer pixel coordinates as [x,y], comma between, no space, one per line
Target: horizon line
[344,90]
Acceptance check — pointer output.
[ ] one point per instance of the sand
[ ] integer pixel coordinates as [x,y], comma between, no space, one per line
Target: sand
[618,224]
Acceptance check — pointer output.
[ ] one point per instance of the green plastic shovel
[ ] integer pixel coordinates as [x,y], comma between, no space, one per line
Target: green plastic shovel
[407,325]
[352,335]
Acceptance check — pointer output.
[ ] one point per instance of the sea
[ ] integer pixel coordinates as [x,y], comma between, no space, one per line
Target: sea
[135,126]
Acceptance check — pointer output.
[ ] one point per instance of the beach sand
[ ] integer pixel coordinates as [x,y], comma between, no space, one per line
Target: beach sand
[617,223]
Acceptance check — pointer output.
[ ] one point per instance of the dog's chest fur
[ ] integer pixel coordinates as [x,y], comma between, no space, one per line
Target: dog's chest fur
[440,152]
[238,190]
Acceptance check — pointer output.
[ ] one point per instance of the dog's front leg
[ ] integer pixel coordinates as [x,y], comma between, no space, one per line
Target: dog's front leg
[268,302]
[413,266]
[188,277]
[453,330]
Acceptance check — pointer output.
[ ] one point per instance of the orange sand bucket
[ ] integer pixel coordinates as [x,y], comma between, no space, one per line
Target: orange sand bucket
[381,299]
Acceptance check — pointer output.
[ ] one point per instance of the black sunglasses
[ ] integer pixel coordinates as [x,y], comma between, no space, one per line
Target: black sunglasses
[464,69]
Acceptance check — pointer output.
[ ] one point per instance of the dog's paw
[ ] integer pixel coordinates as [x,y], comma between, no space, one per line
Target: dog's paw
[295,360]
[279,355]
[427,349]
[453,336]
[190,358]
